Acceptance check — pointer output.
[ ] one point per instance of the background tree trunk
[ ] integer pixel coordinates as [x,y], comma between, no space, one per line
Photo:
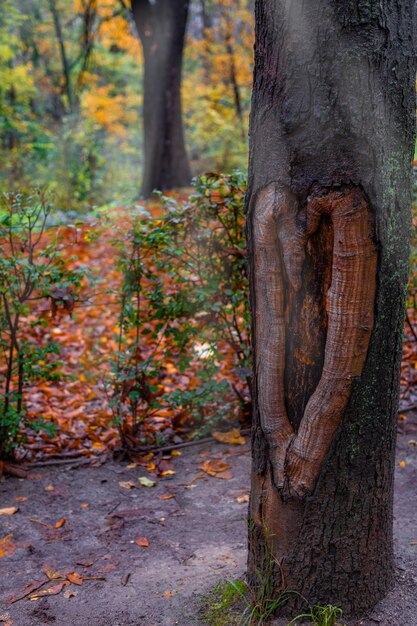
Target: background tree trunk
[161,27]
[332,140]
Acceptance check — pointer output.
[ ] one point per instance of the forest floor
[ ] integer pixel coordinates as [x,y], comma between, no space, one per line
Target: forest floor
[91,545]
[87,540]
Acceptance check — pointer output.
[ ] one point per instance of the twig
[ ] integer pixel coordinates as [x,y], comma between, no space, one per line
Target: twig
[185,444]
[114,508]
[83,461]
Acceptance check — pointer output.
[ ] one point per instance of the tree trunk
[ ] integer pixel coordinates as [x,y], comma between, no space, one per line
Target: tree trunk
[332,140]
[161,27]
[66,69]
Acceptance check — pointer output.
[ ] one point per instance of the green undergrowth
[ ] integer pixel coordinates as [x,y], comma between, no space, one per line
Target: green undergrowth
[232,603]
[223,605]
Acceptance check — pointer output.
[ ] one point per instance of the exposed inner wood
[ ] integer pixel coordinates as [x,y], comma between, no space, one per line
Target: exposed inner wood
[272,204]
[297,458]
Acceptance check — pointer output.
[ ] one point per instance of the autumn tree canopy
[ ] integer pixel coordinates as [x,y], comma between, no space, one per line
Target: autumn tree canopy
[72,94]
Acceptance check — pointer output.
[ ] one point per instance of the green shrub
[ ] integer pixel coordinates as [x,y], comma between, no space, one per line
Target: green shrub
[184,298]
[31,268]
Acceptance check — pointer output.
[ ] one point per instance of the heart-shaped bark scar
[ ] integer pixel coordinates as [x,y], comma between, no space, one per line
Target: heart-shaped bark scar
[297,453]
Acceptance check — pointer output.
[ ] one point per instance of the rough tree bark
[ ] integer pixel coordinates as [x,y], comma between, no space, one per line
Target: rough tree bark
[332,139]
[161,26]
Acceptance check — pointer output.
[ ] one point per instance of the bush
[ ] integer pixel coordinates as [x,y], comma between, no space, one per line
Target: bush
[31,268]
[184,299]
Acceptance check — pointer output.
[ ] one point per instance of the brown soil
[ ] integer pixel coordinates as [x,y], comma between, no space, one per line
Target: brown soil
[196,538]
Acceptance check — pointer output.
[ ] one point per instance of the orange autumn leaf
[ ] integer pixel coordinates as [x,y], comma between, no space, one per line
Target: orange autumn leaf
[49,591]
[60,523]
[144,460]
[168,472]
[224,475]
[52,574]
[232,437]
[75,578]
[213,467]
[7,547]
[142,542]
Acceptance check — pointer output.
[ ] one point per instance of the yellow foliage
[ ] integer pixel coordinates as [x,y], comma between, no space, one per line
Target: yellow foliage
[112,112]
[116,32]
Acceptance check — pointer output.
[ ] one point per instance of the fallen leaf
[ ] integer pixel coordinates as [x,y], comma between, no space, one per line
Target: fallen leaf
[27,589]
[213,467]
[143,460]
[224,475]
[403,417]
[166,496]
[132,466]
[9,511]
[176,453]
[242,499]
[21,499]
[168,472]
[85,505]
[232,437]
[151,466]
[86,563]
[127,484]
[49,591]
[142,542]
[49,488]
[402,463]
[146,482]
[108,567]
[60,523]
[70,593]
[52,575]
[75,578]
[169,594]
[7,547]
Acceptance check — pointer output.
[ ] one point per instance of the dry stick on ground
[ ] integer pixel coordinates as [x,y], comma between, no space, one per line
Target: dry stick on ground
[185,444]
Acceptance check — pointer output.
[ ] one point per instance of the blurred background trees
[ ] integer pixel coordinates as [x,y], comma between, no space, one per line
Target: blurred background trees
[72,96]
[161,27]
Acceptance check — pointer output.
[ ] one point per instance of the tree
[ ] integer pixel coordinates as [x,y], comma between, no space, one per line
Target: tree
[161,27]
[332,139]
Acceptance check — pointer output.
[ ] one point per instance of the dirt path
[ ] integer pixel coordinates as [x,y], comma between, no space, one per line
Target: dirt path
[195,539]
